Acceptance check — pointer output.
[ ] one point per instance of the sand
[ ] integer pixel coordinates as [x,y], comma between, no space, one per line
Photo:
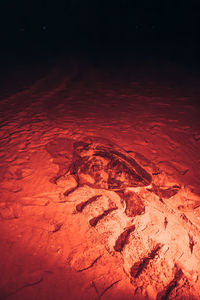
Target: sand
[47,249]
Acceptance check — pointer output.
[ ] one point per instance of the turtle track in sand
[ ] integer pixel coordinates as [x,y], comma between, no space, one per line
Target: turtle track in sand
[139,223]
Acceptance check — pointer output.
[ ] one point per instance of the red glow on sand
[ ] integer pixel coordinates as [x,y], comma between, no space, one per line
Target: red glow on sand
[84,244]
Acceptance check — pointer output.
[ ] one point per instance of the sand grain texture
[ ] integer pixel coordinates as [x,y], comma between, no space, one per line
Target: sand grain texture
[49,250]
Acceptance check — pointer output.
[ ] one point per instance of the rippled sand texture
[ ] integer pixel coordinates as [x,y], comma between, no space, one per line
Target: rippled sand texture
[50,249]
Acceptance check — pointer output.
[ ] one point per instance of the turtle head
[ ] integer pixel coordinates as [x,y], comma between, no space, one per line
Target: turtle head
[81,149]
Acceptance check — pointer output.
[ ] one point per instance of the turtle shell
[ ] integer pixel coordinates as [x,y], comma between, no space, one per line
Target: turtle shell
[102,164]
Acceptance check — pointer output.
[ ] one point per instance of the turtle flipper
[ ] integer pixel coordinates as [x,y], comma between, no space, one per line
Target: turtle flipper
[164,193]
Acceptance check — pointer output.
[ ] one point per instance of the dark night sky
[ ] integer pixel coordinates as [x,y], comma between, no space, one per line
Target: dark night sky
[101,19]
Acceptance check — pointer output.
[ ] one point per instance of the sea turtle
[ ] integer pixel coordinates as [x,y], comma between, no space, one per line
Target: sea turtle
[156,242]
[102,164]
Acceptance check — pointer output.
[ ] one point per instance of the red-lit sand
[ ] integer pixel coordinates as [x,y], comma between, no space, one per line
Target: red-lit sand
[49,252]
